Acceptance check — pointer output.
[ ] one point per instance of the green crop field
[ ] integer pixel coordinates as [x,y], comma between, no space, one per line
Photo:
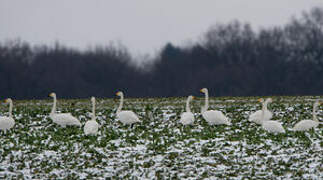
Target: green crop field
[159,147]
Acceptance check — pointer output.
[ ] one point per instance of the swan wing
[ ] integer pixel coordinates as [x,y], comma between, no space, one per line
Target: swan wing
[65,119]
[273,126]
[215,117]
[127,117]
[305,125]
[256,117]
[91,127]
[268,115]
[187,118]
[6,122]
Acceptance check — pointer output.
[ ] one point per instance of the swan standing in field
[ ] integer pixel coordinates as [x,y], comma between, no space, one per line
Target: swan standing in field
[91,127]
[308,124]
[126,117]
[187,117]
[257,116]
[269,125]
[7,122]
[62,119]
[212,116]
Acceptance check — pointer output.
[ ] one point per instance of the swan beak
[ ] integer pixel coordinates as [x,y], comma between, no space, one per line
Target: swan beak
[6,101]
[201,90]
[259,100]
[118,93]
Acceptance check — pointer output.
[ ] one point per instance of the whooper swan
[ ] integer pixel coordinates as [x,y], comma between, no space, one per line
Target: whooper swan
[269,125]
[91,127]
[212,116]
[7,122]
[187,117]
[62,119]
[308,124]
[256,117]
[126,117]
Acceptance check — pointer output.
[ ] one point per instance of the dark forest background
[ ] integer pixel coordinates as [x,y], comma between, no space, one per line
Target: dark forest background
[230,59]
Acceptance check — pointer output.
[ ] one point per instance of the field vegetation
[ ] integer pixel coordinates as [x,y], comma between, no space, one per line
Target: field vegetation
[159,147]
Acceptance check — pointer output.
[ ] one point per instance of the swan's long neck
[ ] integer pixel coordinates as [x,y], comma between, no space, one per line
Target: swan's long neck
[263,109]
[264,106]
[10,109]
[54,106]
[188,105]
[121,104]
[93,110]
[314,113]
[206,105]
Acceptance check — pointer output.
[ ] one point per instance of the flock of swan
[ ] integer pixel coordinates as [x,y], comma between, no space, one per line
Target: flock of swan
[261,117]
[213,117]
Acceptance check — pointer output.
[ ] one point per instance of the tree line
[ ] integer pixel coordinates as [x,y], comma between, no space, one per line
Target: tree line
[230,59]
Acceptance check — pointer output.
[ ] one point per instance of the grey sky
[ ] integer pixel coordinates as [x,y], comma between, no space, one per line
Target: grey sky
[141,25]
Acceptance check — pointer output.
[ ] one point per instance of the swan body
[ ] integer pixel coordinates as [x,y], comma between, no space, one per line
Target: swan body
[213,117]
[269,125]
[273,126]
[256,117]
[125,117]
[187,117]
[91,127]
[305,125]
[7,122]
[62,119]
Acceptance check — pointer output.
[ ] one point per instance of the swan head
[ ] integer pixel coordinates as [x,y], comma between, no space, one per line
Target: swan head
[8,100]
[261,100]
[269,100]
[52,94]
[119,93]
[203,90]
[92,99]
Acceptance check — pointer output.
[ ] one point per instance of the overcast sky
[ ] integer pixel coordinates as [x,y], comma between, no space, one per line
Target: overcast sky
[143,26]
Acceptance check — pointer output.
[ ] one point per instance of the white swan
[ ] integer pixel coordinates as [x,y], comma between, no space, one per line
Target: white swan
[308,124]
[212,116]
[257,116]
[91,127]
[7,122]
[126,117]
[187,117]
[269,125]
[62,119]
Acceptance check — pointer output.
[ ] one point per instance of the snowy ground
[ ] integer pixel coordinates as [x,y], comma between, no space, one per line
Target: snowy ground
[159,147]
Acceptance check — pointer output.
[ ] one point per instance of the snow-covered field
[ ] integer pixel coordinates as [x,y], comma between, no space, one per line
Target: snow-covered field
[160,147]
